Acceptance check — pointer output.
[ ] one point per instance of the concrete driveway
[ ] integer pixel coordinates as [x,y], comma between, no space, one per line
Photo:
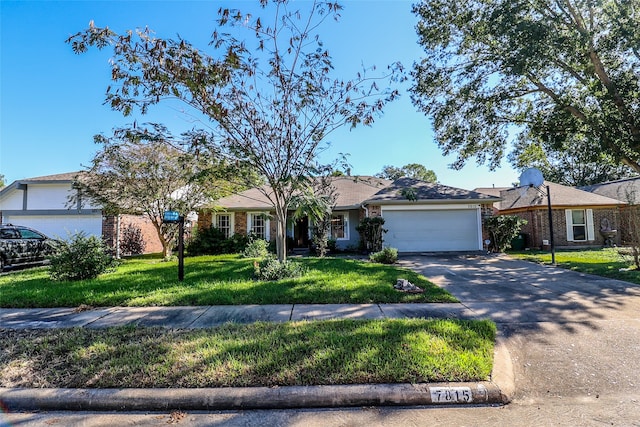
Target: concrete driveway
[574,339]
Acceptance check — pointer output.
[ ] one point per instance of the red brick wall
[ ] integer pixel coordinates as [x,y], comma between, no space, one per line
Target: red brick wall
[149,234]
[240,223]
[537,228]
[374,211]
[205,219]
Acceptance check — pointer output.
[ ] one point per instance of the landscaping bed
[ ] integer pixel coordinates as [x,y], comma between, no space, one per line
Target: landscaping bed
[259,354]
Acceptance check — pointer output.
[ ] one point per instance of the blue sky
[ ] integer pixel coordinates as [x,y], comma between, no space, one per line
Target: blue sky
[51,100]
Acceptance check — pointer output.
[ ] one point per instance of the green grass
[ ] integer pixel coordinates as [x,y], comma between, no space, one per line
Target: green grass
[260,354]
[217,280]
[606,262]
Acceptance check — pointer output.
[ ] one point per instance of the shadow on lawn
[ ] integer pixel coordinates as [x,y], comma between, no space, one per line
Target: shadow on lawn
[226,280]
[263,354]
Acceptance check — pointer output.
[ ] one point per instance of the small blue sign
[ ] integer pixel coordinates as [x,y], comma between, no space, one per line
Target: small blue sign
[171,217]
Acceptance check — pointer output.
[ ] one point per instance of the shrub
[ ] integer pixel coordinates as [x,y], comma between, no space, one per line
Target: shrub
[211,241]
[256,248]
[385,256]
[503,229]
[371,231]
[81,257]
[131,240]
[272,269]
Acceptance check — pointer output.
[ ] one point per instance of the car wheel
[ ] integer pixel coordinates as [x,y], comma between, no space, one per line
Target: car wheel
[1,264]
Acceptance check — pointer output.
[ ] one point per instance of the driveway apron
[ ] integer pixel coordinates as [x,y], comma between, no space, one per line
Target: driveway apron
[571,336]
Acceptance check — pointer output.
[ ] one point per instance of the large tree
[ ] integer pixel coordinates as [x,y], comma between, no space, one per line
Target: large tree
[270,103]
[412,170]
[549,68]
[569,164]
[144,170]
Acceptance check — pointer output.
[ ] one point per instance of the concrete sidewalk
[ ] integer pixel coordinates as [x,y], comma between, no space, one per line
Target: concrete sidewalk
[210,316]
[486,392]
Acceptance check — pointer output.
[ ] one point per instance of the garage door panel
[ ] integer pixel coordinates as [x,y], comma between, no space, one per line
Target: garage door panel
[60,226]
[432,230]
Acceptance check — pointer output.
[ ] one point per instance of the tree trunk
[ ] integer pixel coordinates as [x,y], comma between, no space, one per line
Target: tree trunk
[281,233]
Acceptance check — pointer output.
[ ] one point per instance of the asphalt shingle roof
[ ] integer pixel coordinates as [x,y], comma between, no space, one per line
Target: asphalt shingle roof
[351,191]
[68,176]
[426,192]
[561,195]
[491,191]
[626,190]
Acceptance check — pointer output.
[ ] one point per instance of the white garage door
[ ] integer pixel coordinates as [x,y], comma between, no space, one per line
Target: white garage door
[59,226]
[432,230]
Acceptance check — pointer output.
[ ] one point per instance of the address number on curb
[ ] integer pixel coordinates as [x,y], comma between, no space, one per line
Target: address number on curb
[451,394]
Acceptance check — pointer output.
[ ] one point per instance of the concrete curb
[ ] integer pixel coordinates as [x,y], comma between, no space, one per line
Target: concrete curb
[502,374]
[162,399]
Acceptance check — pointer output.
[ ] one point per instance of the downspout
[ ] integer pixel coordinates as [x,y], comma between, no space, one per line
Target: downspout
[366,211]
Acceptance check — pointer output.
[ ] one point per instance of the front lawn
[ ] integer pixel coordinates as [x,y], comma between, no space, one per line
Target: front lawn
[217,280]
[606,262]
[260,354]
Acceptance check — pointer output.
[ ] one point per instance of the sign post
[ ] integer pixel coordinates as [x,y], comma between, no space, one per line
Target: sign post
[174,217]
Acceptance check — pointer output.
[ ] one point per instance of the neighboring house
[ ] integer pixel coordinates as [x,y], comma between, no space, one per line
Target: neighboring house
[42,203]
[492,191]
[419,216]
[578,216]
[626,190]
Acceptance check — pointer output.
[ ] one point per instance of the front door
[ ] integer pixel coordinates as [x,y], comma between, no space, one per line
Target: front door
[301,233]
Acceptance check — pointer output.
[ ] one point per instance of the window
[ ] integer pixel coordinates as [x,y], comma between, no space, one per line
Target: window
[340,226]
[224,223]
[579,225]
[25,233]
[9,233]
[258,224]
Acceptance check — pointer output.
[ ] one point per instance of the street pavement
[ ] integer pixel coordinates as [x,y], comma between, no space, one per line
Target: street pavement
[569,346]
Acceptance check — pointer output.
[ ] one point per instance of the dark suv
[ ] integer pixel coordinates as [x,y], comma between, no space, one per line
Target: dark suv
[22,245]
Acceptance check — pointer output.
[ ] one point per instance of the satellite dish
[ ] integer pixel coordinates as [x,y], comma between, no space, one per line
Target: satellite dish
[531,177]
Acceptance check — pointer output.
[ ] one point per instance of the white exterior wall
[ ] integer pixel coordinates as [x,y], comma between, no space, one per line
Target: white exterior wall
[48,210]
[12,201]
[48,196]
[60,226]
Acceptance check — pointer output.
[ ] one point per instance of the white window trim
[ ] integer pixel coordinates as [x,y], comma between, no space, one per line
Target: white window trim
[267,224]
[589,225]
[345,215]
[232,221]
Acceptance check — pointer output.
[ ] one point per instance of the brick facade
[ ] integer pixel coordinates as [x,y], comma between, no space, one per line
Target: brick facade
[374,211]
[537,227]
[205,221]
[148,230]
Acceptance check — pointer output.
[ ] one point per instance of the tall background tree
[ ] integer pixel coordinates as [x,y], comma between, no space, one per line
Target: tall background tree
[551,69]
[270,102]
[412,170]
[144,170]
[570,163]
